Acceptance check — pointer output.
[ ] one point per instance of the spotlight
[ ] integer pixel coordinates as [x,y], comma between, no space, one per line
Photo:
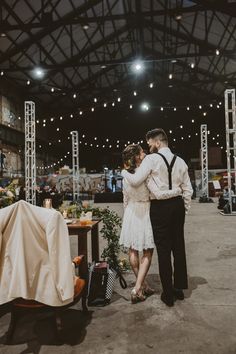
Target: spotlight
[118,99]
[135,93]
[130,106]
[113,104]
[145,106]
[151,85]
[80,113]
[217,52]
[162,109]
[74,95]
[52,89]
[204,113]
[138,67]
[192,65]
[92,109]
[95,99]
[188,108]
[28,82]
[170,76]
[2,73]
[39,73]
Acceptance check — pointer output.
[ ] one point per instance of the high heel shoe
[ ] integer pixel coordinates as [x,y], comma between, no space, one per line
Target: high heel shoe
[148,291]
[137,297]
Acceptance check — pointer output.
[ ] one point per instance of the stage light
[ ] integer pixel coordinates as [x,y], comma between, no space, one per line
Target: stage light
[130,106]
[135,93]
[188,108]
[74,95]
[170,131]
[204,113]
[71,115]
[162,109]
[95,138]
[92,109]
[170,76]
[44,125]
[192,65]
[28,82]
[44,121]
[113,104]
[145,106]
[174,108]
[80,113]
[95,99]
[39,73]
[118,99]
[3,35]
[61,117]
[192,120]
[138,66]
[58,129]
[37,121]
[211,105]
[86,27]
[200,107]
[107,140]
[181,126]
[217,106]
[217,52]
[103,67]
[104,105]
[52,89]
[151,85]
[2,73]
[52,119]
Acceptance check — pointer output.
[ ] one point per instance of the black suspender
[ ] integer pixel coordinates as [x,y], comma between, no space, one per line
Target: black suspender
[169,167]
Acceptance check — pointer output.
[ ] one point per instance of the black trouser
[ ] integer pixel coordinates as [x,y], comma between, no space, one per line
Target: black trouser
[167,218]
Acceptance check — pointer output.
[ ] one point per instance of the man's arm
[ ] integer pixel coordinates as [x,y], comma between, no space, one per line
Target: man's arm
[187,189]
[141,172]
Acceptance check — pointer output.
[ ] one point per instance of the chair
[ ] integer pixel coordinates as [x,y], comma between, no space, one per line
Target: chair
[36,273]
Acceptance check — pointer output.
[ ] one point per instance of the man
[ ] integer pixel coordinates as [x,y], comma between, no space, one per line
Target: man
[164,171]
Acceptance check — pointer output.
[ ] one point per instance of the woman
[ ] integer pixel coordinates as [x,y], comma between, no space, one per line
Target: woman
[136,233]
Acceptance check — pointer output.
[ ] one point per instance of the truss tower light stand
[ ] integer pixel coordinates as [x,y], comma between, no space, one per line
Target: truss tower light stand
[75,165]
[30,155]
[204,161]
[230,125]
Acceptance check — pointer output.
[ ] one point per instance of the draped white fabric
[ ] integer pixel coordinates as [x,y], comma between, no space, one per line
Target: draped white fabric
[35,260]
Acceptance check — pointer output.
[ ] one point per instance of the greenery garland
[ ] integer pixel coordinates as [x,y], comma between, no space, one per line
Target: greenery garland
[110,231]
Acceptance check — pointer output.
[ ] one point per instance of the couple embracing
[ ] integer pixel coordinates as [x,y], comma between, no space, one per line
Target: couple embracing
[157,194]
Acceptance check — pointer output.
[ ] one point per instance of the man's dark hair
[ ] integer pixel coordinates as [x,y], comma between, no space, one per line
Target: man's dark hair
[157,133]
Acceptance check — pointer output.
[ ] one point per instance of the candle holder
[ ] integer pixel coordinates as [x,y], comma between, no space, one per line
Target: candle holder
[47,203]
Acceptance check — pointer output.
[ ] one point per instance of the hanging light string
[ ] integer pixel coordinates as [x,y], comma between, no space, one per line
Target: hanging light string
[113,103]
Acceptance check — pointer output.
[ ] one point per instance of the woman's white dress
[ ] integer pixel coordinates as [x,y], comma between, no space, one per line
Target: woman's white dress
[136,231]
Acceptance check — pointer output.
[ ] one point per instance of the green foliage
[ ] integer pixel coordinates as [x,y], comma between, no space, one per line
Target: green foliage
[110,231]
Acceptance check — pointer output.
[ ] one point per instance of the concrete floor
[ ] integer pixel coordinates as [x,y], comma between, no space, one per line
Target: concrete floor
[205,322]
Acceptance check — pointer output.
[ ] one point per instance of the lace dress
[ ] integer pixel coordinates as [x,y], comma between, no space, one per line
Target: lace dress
[136,231]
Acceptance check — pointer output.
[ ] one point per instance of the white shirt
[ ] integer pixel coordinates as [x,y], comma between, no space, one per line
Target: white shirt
[154,170]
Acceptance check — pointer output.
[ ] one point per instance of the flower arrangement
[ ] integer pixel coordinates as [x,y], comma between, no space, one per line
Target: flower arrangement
[7,197]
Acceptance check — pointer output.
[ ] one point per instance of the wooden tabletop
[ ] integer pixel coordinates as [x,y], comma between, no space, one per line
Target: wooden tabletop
[77,225]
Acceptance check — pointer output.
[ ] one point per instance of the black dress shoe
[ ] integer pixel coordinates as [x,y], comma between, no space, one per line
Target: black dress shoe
[168,302]
[178,294]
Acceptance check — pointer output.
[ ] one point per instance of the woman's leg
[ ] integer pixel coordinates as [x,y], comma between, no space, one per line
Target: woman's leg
[143,268]
[134,261]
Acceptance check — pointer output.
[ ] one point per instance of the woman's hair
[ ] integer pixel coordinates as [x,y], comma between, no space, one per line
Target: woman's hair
[129,154]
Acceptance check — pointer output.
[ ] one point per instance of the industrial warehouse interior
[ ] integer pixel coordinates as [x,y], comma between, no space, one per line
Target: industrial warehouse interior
[117,176]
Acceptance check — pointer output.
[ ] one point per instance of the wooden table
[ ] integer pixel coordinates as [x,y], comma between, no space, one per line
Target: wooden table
[81,231]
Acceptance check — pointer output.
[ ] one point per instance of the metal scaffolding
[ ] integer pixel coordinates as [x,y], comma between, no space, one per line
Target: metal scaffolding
[204,160]
[230,125]
[75,164]
[30,155]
